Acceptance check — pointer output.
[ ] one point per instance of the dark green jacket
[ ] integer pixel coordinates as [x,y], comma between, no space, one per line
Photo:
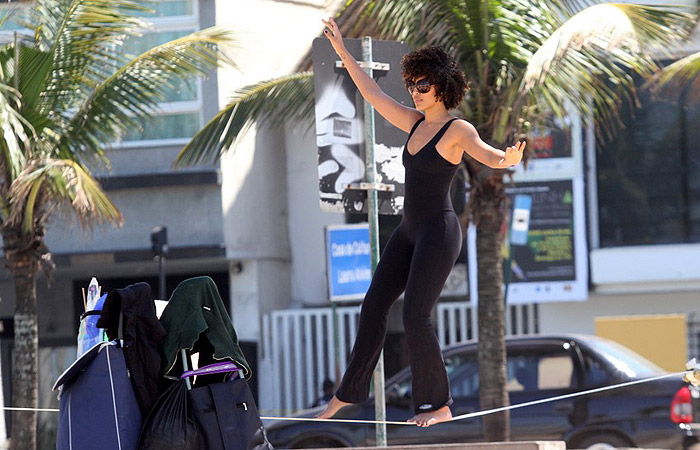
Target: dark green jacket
[195,308]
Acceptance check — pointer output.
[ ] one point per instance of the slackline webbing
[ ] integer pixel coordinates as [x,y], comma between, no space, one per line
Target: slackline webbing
[454,419]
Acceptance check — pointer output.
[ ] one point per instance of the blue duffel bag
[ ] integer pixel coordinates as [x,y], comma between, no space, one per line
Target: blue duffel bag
[97,405]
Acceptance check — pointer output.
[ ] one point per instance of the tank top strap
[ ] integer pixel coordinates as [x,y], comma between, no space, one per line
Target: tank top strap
[443,130]
[415,125]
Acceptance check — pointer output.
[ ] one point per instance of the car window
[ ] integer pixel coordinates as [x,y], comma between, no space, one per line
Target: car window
[535,371]
[594,373]
[463,373]
[554,372]
[550,368]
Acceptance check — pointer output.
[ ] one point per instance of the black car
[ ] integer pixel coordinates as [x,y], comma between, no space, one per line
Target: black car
[656,414]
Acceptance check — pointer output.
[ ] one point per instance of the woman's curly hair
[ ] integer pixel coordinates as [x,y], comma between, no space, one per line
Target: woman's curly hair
[440,69]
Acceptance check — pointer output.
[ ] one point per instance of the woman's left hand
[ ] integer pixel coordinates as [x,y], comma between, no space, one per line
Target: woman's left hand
[513,155]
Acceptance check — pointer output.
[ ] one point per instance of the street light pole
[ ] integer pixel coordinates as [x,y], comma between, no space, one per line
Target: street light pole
[159,245]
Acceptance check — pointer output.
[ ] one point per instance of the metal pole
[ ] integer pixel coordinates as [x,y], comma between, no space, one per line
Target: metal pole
[161,277]
[373,219]
[336,343]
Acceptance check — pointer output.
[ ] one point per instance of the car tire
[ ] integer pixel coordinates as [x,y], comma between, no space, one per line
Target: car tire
[605,441]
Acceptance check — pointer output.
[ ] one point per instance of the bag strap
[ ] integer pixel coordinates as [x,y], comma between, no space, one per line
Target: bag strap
[92,312]
[226,405]
[185,367]
[222,367]
[120,329]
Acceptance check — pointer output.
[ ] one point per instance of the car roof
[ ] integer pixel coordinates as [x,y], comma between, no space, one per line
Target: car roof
[534,338]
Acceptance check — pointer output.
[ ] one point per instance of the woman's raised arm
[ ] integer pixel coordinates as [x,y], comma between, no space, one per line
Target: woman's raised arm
[400,116]
[471,143]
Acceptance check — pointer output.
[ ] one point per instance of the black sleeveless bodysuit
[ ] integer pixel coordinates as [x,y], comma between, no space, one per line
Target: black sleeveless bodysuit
[416,260]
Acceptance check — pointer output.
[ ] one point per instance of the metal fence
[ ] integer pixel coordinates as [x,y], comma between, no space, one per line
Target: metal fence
[457,322]
[693,329]
[299,353]
[298,346]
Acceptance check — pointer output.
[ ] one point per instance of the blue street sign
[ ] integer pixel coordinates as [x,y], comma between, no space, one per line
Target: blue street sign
[348,260]
[521,220]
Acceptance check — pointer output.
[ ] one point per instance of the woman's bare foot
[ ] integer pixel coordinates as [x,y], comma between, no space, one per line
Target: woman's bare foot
[333,406]
[431,418]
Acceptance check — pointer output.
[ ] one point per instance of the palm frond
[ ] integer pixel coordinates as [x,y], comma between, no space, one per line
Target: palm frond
[286,98]
[526,25]
[683,76]
[47,183]
[135,90]
[14,138]
[34,67]
[448,23]
[80,36]
[618,30]
[596,51]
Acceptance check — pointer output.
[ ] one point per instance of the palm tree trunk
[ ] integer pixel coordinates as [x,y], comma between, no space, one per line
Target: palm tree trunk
[491,348]
[20,260]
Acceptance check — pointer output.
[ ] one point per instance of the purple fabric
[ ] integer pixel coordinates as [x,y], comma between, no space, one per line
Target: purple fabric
[222,367]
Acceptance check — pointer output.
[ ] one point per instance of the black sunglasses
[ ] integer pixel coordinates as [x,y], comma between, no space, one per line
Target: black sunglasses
[422,86]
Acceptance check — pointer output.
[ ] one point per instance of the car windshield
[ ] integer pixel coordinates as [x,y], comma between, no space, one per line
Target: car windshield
[454,365]
[625,360]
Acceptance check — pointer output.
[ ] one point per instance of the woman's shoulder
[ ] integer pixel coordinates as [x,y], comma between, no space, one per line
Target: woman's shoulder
[461,126]
[461,122]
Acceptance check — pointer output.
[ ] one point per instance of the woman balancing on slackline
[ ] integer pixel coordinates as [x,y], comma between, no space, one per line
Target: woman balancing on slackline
[424,247]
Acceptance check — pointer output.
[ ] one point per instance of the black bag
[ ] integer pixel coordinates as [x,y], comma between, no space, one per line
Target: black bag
[168,426]
[227,418]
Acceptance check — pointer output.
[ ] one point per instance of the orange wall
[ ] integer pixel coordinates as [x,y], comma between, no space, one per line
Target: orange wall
[660,338]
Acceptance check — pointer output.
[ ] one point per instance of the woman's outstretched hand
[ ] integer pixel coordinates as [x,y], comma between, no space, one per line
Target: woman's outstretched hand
[332,32]
[513,155]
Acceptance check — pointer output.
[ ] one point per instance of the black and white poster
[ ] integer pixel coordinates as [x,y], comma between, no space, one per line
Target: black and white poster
[340,130]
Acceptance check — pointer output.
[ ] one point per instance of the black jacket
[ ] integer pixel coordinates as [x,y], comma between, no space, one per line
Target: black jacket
[142,334]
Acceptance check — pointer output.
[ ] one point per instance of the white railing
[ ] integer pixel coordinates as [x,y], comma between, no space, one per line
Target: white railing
[298,350]
[457,322]
[299,353]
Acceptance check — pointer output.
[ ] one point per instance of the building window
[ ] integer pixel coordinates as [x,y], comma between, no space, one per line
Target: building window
[178,117]
[12,17]
[649,174]
[166,126]
[169,8]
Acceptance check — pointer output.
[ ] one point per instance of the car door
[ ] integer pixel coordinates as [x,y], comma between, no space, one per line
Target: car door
[541,371]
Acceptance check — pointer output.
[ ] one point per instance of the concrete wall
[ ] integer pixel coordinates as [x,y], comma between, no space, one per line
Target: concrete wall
[191,213]
[661,338]
[272,221]
[579,317]
[306,220]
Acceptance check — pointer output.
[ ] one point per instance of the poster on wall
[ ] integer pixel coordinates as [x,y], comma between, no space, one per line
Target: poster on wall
[340,130]
[552,263]
[555,146]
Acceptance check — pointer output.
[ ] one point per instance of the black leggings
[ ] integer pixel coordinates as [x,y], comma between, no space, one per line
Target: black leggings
[418,258]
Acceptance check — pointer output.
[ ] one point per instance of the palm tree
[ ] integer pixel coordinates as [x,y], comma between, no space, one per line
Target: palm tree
[525,58]
[683,74]
[65,93]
